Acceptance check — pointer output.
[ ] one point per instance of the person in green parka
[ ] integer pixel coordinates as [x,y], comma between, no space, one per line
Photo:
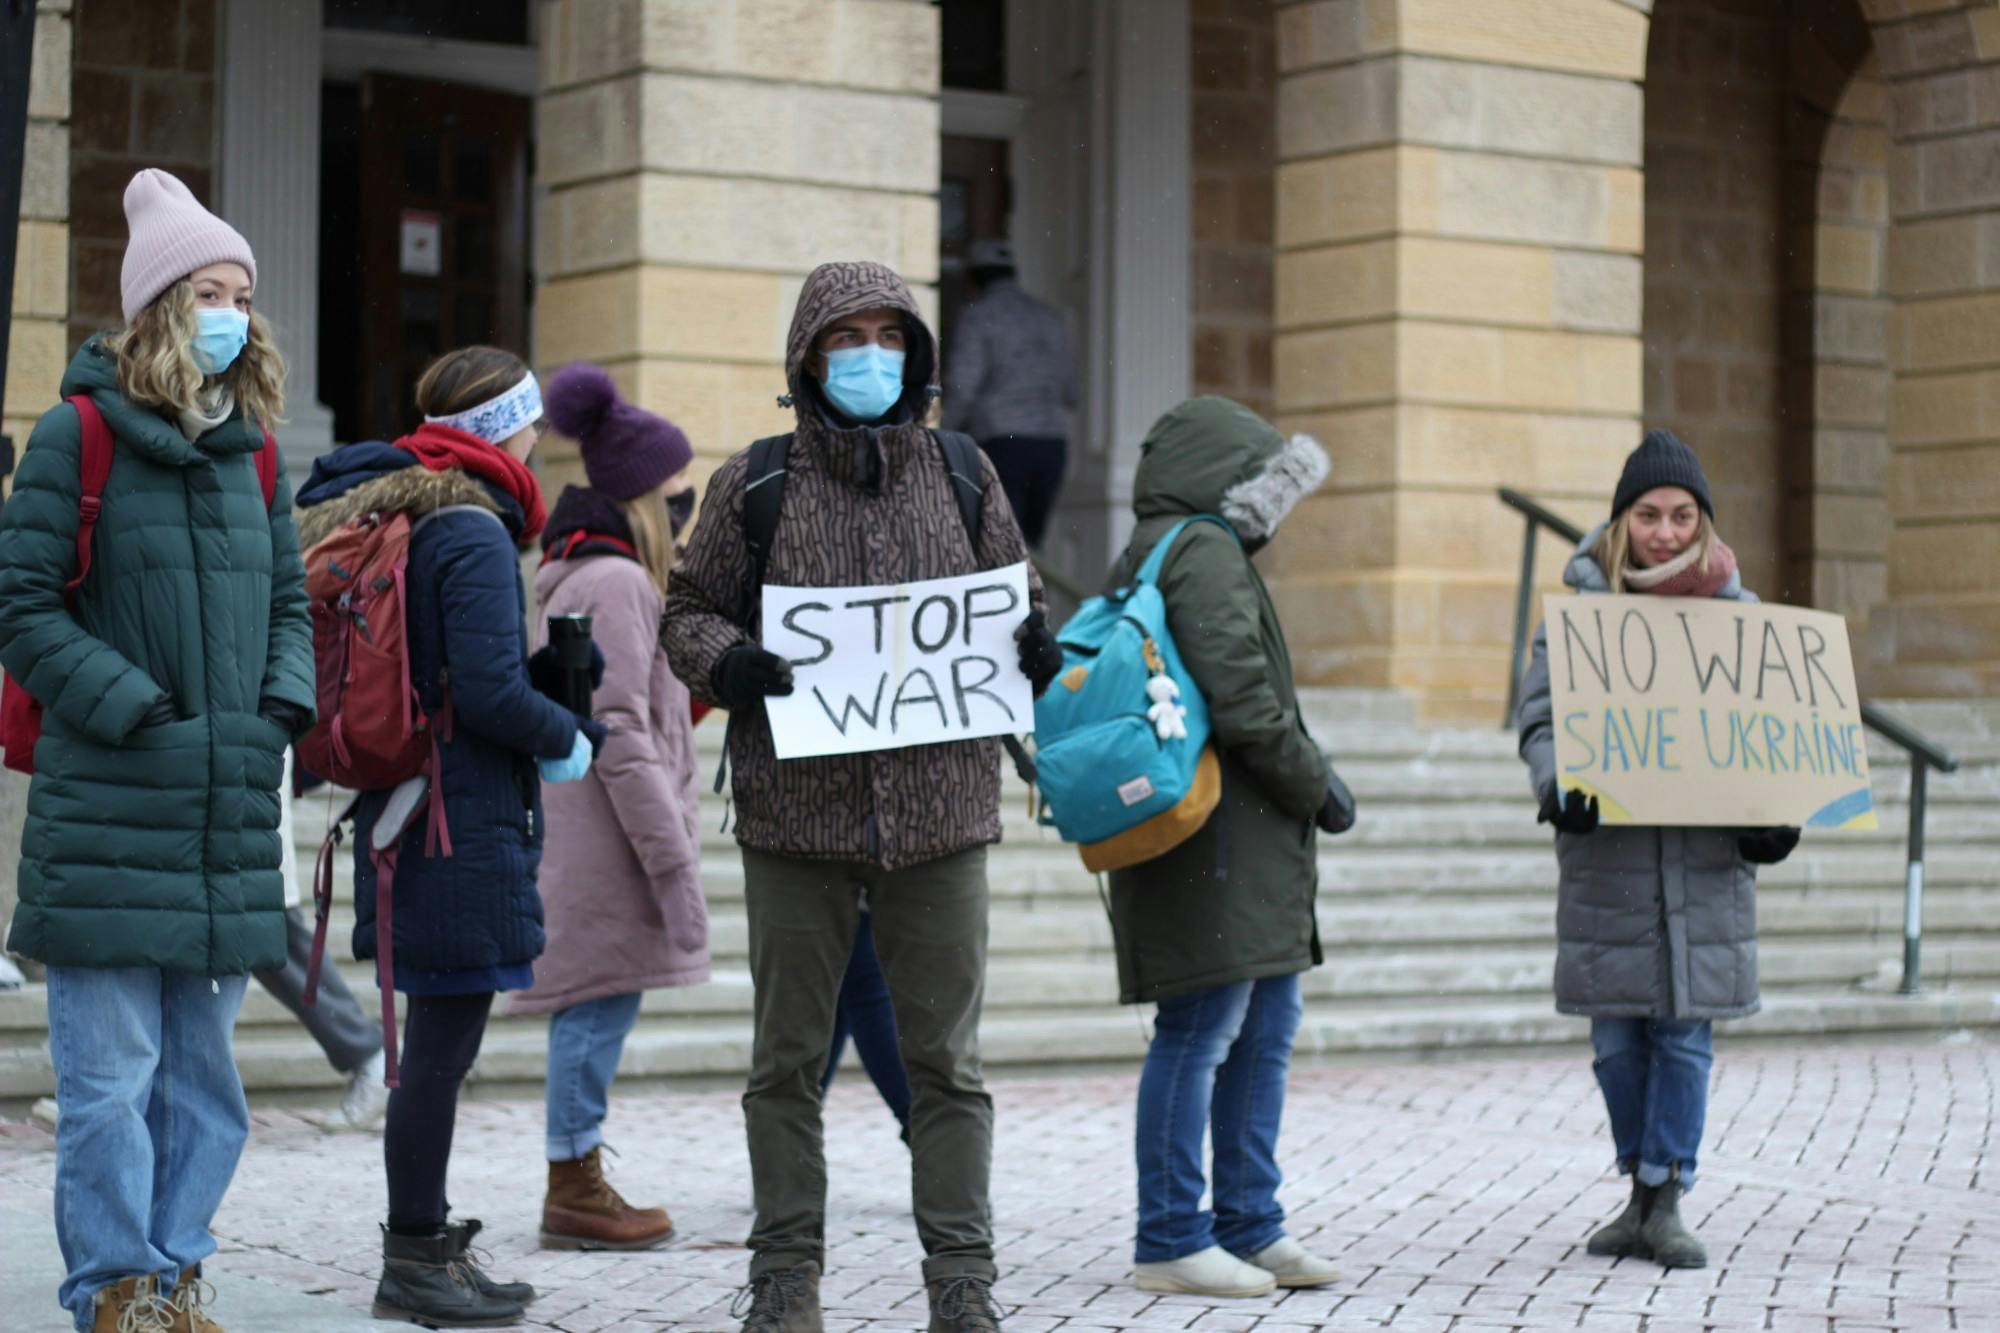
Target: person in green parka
[1217,931]
[172,682]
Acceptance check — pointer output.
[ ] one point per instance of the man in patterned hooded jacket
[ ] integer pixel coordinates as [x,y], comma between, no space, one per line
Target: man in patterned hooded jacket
[867,500]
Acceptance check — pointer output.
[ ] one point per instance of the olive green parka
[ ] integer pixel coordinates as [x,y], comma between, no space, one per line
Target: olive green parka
[153,846]
[1236,901]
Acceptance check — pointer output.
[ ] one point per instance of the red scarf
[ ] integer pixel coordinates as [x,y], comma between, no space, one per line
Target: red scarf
[440,448]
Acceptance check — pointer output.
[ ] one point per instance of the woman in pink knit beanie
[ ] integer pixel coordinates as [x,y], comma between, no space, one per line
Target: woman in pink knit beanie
[152,600]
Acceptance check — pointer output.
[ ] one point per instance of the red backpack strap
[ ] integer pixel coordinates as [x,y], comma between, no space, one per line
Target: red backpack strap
[95,470]
[267,468]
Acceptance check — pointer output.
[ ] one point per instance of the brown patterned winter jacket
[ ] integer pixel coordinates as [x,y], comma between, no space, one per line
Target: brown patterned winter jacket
[862,505]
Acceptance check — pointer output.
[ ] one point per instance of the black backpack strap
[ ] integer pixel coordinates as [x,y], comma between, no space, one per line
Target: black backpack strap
[764,498]
[961,464]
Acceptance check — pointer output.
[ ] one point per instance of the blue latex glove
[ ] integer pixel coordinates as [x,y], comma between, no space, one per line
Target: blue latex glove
[572,768]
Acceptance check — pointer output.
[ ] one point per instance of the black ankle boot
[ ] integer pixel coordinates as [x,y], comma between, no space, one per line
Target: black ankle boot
[425,1282]
[1620,1236]
[1666,1238]
[473,1260]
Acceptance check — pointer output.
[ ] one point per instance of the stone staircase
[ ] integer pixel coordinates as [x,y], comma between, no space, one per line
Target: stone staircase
[1437,915]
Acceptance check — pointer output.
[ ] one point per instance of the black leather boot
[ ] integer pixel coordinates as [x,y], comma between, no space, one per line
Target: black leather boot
[963,1305]
[1620,1236]
[474,1260]
[424,1282]
[1670,1243]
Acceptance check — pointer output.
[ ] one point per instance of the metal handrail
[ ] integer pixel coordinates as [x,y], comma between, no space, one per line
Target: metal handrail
[1925,754]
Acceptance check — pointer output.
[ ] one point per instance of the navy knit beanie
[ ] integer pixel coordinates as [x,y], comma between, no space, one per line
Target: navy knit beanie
[1661,459]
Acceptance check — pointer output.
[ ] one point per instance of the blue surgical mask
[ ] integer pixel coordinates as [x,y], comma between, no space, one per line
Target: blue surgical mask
[864,382]
[219,335]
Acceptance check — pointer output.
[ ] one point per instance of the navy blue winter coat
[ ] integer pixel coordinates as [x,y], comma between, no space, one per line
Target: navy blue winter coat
[476,909]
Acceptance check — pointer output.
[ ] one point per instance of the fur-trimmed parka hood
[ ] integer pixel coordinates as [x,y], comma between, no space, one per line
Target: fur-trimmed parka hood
[375,477]
[1214,456]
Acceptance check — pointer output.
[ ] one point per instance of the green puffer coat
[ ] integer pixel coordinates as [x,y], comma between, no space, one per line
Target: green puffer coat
[153,846]
[1236,901]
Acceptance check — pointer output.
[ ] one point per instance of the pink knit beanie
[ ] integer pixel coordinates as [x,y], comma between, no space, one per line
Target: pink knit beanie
[172,236]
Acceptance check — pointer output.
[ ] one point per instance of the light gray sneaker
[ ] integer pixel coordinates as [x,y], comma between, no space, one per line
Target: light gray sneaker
[1292,1265]
[364,1103]
[1210,1272]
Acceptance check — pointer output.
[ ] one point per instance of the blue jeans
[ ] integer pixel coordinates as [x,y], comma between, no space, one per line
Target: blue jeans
[1654,1072]
[864,1012]
[585,1041]
[1217,1063]
[153,1121]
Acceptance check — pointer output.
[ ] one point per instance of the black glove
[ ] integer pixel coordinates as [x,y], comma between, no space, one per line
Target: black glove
[286,717]
[1569,811]
[1336,812]
[542,669]
[1767,846]
[1041,655]
[746,674]
[596,731]
[161,713]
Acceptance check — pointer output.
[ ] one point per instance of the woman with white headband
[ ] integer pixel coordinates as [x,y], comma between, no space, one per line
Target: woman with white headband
[467,920]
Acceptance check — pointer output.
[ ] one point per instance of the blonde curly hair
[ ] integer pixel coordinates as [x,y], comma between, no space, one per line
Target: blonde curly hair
[156,365]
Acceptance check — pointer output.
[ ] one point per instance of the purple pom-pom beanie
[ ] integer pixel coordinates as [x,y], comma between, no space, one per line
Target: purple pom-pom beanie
[627,451]
[172,235]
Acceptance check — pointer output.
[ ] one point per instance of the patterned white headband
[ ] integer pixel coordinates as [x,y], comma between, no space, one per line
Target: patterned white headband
[498,418]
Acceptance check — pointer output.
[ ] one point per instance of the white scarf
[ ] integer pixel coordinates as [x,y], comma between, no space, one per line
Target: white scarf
[211,407]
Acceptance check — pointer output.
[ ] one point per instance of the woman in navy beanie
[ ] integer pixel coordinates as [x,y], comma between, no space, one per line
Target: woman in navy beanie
[624,908]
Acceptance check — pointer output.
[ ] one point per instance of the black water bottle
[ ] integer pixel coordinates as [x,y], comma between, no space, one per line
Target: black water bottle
[569,637]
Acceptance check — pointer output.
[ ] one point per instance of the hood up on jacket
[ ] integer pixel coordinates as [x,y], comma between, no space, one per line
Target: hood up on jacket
[1584,574]
[372,477]
[849,287]
[1214,456]
[587,522]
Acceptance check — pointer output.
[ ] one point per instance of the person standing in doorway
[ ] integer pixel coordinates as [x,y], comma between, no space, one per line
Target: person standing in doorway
[172,677]
[868,499]
[620,876]
[466,919]
[1651,991]
[1010,382]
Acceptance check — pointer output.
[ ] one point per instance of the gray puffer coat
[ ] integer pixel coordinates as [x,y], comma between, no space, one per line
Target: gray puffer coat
[1650,922]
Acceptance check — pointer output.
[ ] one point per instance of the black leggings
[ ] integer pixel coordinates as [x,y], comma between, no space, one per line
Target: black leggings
[440,1042]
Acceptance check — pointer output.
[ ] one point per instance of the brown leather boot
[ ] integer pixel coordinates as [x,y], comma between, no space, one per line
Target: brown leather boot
[190,1294]
[130,1305]
[582,1212]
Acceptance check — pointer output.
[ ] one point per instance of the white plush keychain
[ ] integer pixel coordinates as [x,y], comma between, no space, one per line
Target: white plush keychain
[1169,719]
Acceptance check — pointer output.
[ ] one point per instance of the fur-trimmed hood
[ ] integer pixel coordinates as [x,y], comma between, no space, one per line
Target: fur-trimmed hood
[371,478]
[1214,456]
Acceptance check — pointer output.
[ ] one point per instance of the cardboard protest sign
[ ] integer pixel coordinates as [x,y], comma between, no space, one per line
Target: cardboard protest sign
[878,668]
[1694,710]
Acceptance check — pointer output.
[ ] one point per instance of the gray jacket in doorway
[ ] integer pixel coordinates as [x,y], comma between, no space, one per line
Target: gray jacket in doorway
[1650,922]
[1008,370]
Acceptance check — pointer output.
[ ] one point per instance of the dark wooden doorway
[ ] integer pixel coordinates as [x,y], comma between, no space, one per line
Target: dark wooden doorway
[974,198]
[443,235]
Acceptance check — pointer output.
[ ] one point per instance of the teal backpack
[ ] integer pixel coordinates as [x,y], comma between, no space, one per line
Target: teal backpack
[1121,735]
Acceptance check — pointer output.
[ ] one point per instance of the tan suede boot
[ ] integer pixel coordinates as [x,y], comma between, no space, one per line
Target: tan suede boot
[190,1294]
[130,1305]
[582,1212]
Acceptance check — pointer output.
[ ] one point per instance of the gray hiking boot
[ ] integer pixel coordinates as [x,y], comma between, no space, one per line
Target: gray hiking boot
[785,1300]
[1621,1236]
[963,1305]
[1663,1234]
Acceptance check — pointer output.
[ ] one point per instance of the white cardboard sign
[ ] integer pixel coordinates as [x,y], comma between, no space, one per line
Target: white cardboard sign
[879,668]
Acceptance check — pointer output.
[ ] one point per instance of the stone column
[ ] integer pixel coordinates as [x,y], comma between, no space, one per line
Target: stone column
[1939,630]
[696,159]
[36,343]
[268,189]
[1458,308]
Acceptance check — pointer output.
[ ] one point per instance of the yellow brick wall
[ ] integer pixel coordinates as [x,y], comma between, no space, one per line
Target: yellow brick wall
[36,347]
[1937,631]
[696,159]
[1459,229]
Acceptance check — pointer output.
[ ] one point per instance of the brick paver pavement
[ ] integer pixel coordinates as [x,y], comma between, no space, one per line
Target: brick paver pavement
[1844,1189]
